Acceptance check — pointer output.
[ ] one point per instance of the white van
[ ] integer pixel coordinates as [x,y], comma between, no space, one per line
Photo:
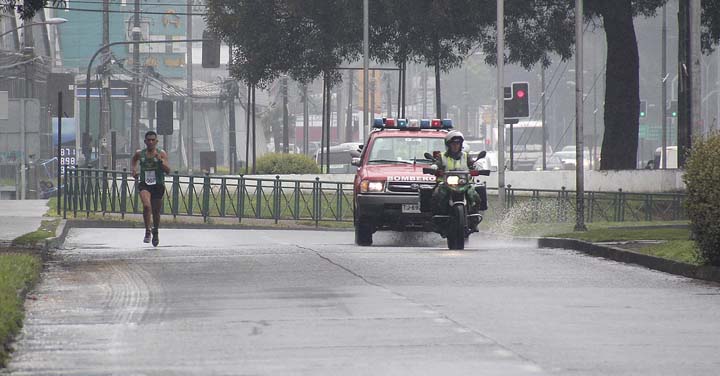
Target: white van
[672,159]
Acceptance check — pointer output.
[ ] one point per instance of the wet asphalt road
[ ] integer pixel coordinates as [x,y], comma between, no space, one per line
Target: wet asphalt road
[262,302]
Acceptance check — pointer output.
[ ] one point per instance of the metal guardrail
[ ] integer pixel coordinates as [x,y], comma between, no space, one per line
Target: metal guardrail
[541,205]
[106,191]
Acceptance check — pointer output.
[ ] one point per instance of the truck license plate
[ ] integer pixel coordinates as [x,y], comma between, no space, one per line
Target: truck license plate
[411,208]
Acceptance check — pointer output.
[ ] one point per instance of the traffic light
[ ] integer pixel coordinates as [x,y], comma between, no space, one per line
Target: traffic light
[210,50]
[507,93]
[518,105]
[643,109]
[164,113]
[673,112]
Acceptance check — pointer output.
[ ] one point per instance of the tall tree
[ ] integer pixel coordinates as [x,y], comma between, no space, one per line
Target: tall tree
[710,20]
[536,29]
[438,33]
[255,59]
[26,9]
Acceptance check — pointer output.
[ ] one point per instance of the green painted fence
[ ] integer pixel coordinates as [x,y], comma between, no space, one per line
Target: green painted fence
[105,191]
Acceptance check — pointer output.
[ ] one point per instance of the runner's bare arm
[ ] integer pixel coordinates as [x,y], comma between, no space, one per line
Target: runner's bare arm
[164,164]
[134,162]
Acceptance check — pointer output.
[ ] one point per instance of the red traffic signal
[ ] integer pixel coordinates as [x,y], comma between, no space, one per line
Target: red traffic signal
[517,106]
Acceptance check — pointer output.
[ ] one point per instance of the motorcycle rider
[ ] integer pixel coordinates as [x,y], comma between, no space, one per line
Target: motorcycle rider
[454,159]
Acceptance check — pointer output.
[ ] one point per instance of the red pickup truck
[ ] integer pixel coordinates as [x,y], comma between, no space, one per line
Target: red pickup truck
[390,173]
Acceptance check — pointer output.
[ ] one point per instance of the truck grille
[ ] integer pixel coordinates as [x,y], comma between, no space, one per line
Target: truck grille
[402,187]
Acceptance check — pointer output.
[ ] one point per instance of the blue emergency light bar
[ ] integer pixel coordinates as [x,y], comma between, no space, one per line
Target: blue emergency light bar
[391,123]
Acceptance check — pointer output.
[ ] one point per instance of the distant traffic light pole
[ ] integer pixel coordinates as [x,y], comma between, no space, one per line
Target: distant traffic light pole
[86,135]
[500,15]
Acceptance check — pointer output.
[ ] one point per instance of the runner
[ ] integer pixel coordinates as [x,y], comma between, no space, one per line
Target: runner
[153,167]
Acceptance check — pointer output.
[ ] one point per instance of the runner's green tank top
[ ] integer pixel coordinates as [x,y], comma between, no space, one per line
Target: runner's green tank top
[151,165]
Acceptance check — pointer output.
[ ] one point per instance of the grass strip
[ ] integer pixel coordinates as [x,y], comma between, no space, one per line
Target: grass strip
[46,230]
[18,273]
[675,242]
[628,234]
[677,250]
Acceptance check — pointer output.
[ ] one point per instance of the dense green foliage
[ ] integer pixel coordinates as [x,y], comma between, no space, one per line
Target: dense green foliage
[276,163]
[18,272]
[702,178]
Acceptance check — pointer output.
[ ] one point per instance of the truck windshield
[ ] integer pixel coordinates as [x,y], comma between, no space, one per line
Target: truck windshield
[403,149]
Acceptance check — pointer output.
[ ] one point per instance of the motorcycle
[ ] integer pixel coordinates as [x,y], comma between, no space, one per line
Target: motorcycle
[453,220]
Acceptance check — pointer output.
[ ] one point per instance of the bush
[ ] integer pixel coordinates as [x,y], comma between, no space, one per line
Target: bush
[702,178]
[277,163]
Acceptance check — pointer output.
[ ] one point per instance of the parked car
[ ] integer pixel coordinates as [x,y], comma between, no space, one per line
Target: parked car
[567,155]
[340,158]
[672,160]
[553,163]
[474,147]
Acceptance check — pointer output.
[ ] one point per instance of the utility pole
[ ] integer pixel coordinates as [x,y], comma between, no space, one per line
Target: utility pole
[285,120]
[466,105]
[424,93]
[232,92]
[306,120]
[366,63]
[28,54]
[349,117]
[689,121]
[542,109]
[135,117]
[663,87]
[105,157]
[189,102]
[338,117]
[579,134]
[697,124]
[500,93]
[388,95]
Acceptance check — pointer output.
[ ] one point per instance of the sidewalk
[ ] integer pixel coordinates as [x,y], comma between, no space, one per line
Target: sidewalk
[19,217]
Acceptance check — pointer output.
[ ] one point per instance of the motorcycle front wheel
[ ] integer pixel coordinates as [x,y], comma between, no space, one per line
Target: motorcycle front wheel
[456,229]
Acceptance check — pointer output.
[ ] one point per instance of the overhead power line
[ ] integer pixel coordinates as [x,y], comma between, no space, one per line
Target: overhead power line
[127,11]
[144,3]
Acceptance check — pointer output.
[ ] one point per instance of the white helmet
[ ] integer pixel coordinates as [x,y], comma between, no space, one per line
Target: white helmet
[453,136]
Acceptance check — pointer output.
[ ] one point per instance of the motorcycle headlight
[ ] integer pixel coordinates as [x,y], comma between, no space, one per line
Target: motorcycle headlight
[453,180]
[371,186]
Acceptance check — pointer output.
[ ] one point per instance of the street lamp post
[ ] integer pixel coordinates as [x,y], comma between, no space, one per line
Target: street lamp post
[49,21]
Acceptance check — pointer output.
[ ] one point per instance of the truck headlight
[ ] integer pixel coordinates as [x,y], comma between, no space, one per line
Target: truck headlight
[453,180]
[371,186]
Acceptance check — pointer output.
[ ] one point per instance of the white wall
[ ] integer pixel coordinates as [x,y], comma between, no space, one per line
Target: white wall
[637,181]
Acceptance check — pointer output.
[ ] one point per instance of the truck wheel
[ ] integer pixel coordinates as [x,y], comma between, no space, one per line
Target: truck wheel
[363,233]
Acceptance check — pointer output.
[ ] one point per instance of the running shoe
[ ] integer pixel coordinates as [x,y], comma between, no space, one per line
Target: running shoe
[155,238]
[147,236]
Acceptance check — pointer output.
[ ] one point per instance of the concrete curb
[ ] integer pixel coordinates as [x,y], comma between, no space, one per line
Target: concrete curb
[706,273]
[59,239]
